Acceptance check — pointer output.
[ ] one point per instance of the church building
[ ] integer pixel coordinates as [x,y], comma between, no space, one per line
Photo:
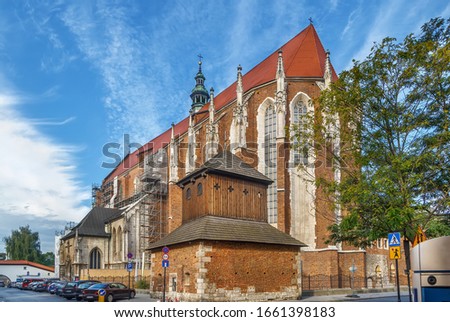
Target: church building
[251,122]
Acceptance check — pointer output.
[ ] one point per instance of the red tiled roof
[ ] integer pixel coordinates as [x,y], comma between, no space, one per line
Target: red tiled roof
[25,262]
[303,56]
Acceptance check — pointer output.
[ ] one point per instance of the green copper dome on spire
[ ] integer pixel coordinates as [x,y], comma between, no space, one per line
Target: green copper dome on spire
[199,94]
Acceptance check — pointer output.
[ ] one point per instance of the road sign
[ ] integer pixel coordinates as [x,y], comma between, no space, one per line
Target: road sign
[165,263]
[101,295]
[129,267]
[165,256]
[394,239]
[420,237]
[352,268]
[394,252]
[130,255]
[165,249]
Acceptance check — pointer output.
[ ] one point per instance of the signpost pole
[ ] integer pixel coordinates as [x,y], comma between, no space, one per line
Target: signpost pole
[165,264]
[129,268]
[398,280]
[408,266]
[394,253]
[129,285]
[164,286]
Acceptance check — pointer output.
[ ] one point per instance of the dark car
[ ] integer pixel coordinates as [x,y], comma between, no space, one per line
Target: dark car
[40,287]
[57,289]
[51,287]
[113,291]
[69,291]
[2,284]
[32,285]
[81,287]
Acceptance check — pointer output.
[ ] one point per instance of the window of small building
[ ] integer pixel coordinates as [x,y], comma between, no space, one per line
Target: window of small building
[95,259]
[188,193]
[199,189]
[187,278]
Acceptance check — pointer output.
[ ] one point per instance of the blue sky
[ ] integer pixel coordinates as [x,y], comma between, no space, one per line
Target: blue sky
[77,75]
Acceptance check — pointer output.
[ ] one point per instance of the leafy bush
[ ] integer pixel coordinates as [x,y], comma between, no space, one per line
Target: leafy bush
[142,284]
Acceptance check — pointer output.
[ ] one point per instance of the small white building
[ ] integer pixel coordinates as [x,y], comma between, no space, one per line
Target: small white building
[12,269]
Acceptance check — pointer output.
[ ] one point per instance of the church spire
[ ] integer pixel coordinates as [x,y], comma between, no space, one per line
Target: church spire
[199,94]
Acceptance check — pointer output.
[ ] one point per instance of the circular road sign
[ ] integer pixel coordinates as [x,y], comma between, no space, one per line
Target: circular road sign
[165,256]
[130,255]
[165,249]
[101,292]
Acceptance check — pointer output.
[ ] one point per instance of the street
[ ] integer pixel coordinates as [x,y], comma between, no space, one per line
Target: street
[16,295]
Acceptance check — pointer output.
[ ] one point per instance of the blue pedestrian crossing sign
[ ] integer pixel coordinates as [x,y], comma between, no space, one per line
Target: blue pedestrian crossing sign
[165,263]
[394,239]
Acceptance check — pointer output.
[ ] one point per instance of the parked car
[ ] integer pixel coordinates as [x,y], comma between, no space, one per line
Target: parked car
[27,281]
[81,287]
[52,287]
[32,285]
[57,288]
[2,283]
[40,287]
[69,291]
[114,291]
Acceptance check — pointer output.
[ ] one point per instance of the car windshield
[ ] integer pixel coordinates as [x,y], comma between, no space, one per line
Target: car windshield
[98,286]
[71,284]
[86,285]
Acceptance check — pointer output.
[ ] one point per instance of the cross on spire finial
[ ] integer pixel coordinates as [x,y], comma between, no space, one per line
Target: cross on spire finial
[200,57]
[310,21]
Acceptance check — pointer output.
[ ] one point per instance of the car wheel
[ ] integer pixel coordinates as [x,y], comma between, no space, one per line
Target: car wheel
[110,298]
[132,294]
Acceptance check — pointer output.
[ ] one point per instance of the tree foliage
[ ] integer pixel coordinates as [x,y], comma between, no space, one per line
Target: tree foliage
[23,244]
[393,147]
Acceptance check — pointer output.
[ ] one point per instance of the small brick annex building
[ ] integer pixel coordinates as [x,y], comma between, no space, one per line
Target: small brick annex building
[221,250]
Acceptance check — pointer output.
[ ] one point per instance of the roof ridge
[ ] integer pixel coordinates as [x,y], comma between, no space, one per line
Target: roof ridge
[307,29]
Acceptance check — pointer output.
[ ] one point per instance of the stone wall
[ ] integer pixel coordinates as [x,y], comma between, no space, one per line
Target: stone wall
[228,271]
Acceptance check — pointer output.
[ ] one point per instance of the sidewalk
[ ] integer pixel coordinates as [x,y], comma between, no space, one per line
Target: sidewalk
[347,296]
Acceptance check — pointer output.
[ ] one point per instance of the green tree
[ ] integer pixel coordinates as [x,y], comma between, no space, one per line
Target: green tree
[47,259]
[23,244]
[392,149]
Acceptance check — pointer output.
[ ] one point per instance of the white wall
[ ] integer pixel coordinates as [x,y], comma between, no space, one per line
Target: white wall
[13,271]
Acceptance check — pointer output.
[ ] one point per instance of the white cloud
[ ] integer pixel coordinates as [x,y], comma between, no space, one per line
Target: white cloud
[37,175]
[351,20]
[106,39]
[333,4]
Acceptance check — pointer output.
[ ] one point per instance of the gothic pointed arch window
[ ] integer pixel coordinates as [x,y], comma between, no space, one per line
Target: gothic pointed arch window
[95,257]
[300,149]
[114,242]
[270,159]
[119,242]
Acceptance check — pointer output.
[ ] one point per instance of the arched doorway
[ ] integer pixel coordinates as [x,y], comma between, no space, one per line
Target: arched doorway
[5,280]
[379,276]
